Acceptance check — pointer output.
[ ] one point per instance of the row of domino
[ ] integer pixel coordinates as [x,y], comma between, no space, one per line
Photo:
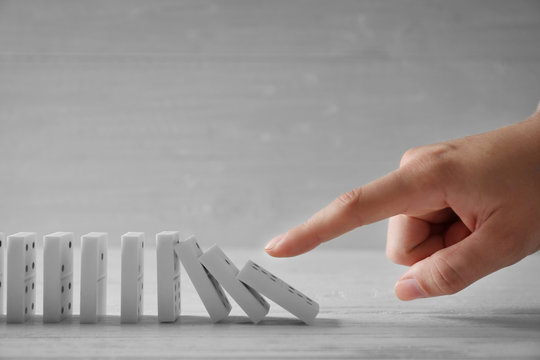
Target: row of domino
[209,271]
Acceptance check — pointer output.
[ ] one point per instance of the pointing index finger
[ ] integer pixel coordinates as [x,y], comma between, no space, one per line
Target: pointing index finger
[392,194]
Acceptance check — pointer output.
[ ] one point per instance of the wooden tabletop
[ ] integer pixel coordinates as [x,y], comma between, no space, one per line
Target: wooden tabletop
[360,317]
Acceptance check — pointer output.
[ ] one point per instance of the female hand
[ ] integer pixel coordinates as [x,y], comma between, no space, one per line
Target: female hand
[459,210]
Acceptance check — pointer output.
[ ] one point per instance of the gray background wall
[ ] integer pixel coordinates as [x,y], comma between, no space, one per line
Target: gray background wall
[238,119]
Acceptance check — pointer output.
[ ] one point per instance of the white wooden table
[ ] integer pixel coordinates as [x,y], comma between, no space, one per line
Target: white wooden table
[498,317]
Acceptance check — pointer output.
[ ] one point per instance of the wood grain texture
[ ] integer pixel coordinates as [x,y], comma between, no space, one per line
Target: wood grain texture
[241,116]
[496,318]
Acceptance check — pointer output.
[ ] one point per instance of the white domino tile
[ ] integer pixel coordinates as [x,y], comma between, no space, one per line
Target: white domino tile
[280,292]
[214,299]
[168,276]
[225,272]
[2,282]
[132,275]
[57,276]
[93,277]
[21,276]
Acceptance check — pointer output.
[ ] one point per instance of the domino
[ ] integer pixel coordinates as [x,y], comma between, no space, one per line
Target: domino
[225,272]
[93,277]
[21,276]
[57,276]
[2,284]
[214,299]
[132,274]
[168,276]
[280,292]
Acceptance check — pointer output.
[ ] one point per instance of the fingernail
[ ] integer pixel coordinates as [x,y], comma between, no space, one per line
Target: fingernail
[409,289]
[272,243]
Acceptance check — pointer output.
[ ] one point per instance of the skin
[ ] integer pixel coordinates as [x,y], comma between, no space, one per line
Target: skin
[459,210]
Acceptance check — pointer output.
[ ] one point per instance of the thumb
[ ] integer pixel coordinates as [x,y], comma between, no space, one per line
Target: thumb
[452,269]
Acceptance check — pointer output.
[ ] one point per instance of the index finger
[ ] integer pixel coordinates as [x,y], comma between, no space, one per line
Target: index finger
[398,192]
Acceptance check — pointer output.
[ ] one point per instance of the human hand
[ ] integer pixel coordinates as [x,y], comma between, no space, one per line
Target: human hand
[459,210]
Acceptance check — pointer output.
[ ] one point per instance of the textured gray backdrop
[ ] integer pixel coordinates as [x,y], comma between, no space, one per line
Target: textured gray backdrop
[237,119]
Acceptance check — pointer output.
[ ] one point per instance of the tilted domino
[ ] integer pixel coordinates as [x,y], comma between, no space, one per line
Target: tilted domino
[93,277]
[168,276]
[214,299]
[280,292]
[57,276]
[2,283]
[223,269]
[132,277]
[21,276]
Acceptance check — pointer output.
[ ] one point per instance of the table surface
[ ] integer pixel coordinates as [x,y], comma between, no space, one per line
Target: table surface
[498,317]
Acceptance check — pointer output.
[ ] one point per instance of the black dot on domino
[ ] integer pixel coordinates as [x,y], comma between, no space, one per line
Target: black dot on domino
[69,245]
[101,256]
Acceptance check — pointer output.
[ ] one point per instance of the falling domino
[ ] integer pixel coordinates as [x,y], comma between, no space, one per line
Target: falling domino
[168,276]
[57,276]
[225,272]
[132,244]
[2,245]
[21,276]
[278,291]
[93,277]
[214,299]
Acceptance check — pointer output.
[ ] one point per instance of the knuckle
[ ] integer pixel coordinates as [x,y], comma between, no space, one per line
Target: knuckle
[348,203]
[308,226]
[350,198]
[445,278]
[398,256]
[432,163]
[410,155]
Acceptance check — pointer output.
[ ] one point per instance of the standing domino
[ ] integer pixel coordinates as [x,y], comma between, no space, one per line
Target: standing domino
[132,277]
[2,284]
[168,276]
[278,291]
[57,276]
[93,277]
[21,276]
[225,272]
[209,290]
